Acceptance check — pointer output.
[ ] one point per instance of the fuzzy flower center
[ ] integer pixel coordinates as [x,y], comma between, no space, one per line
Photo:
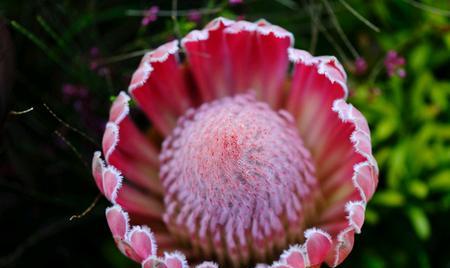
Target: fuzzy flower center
[237,178]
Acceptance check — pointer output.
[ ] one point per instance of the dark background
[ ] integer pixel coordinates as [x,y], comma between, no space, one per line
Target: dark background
[67,58]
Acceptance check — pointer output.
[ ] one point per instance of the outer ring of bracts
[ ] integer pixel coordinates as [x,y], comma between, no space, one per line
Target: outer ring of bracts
[139,243]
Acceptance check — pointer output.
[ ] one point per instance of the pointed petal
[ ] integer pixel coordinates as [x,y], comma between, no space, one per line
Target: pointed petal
[318,244]
[142,241]
[127,137]
[259,58]
[112,181]
[229,57]
[317,82]
[207,265]
[342,246]
[208,59]
[159,87]
[118,221]
[338,137]
[175,260]
[295,257]
[355,216]
[364,179]
[128,149]
[153,261]
[97,170]
[280,265]
[140,204]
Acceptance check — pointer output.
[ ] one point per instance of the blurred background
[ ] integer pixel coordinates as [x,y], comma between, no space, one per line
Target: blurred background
[61,63]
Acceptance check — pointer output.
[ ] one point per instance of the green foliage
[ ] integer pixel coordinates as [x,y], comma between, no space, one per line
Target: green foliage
[410,126]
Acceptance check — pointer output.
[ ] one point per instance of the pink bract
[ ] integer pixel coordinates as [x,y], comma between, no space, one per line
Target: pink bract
[258,164]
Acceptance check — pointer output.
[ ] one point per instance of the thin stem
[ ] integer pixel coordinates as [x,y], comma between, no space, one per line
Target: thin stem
[375,71]
[21,112]
[87,210]
[339,29]
[428,8]
[169,13]
[122,57]
[327,35]
[68,143]
[39,43]
[61,43]
[174,15]
[69,126]
[289,4]
[315,31]
[359,16]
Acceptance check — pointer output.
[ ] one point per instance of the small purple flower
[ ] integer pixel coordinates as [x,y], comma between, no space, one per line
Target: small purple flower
[234,2]
[78,96]
[95,62]
[71,91]
[104,71]
[360,66]
[194,15]
[150,15]
[94,52]
[394,64]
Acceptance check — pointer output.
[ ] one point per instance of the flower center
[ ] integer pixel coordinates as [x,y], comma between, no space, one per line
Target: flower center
[238,180]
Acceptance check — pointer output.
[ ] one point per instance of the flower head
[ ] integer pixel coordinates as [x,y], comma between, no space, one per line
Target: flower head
[150,15]
[256,165]
[394,64]
[360,66]
[194,15]
[234,2]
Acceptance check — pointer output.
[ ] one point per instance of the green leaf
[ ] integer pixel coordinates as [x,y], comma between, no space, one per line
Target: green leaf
[371,216]
[396,172]
[420,222]
[385,129]
[418,189]
[389,198]
[38,42]
[446,38]
[441,181]
[419,57]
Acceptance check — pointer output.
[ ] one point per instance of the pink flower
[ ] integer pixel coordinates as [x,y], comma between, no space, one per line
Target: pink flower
[150,15]
[360,66]
[394,64]
[194,15]
[234,2]
[94,52]
[256,165]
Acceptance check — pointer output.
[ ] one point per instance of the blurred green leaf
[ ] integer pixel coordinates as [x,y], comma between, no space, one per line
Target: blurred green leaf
[397,165]
[382,156]
[373,261]
[440,182]
[446,38]
[418,189]
[419,57]
[389,198]
[420,222]
[385,129]
[371,216]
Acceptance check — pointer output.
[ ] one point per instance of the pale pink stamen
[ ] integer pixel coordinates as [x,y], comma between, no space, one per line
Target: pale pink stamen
[236,171]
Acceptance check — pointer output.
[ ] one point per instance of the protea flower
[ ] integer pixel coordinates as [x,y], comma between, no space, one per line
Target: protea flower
[250,165]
